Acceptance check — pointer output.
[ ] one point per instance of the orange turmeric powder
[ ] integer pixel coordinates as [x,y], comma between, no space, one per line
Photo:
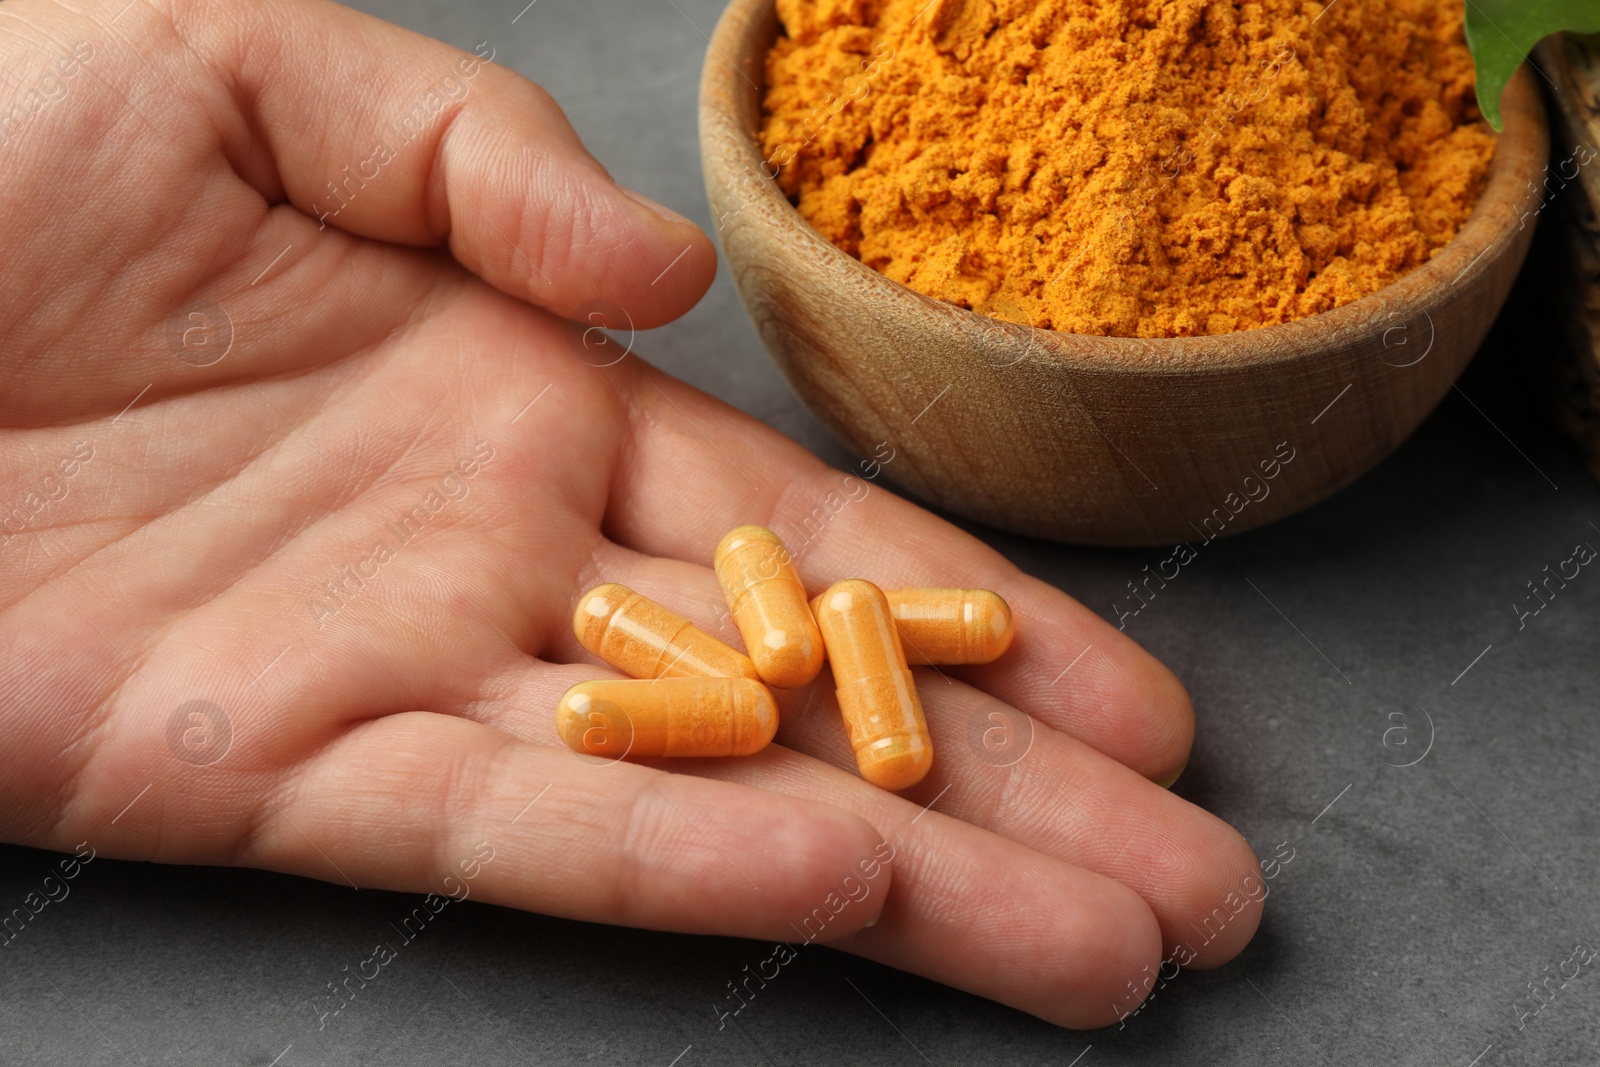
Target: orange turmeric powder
[1145,168]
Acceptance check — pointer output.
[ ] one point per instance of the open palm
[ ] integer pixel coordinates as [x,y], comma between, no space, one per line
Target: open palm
[304,468]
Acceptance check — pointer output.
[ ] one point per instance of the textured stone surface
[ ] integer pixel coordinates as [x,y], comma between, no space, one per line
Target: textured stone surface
[1405,930]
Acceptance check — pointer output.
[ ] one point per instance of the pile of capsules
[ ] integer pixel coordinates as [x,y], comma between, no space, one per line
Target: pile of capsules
[692,695]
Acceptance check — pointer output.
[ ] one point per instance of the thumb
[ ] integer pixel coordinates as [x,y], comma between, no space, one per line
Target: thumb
[391,135]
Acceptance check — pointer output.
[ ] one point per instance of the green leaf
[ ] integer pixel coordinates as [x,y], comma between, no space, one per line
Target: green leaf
[1501,33]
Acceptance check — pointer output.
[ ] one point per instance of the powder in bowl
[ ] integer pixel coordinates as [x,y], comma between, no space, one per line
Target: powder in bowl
[1148,169]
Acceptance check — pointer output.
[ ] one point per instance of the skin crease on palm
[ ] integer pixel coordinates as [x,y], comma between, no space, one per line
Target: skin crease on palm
[380,743]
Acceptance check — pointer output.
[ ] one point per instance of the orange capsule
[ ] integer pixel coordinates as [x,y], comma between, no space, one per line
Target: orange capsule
[876,692]
[947,626]
[668,717]
[769,606]
[641,638]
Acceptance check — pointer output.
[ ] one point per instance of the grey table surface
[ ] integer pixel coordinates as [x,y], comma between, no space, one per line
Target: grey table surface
[1423,905]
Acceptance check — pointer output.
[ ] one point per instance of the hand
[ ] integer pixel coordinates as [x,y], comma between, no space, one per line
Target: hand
[304,471]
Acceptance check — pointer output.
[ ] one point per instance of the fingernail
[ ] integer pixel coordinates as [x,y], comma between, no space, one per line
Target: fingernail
[1167,783]
[664,212]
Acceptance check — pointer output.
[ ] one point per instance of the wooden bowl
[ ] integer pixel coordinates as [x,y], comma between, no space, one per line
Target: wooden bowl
[1100,440]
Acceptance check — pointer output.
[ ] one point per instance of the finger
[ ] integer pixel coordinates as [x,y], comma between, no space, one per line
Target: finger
[435,804]
[967,908]
[997,769]
[978,912]
[384,133]
[1067,667]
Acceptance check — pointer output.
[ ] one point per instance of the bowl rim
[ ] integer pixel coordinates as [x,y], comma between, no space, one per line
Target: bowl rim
[1521,151]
